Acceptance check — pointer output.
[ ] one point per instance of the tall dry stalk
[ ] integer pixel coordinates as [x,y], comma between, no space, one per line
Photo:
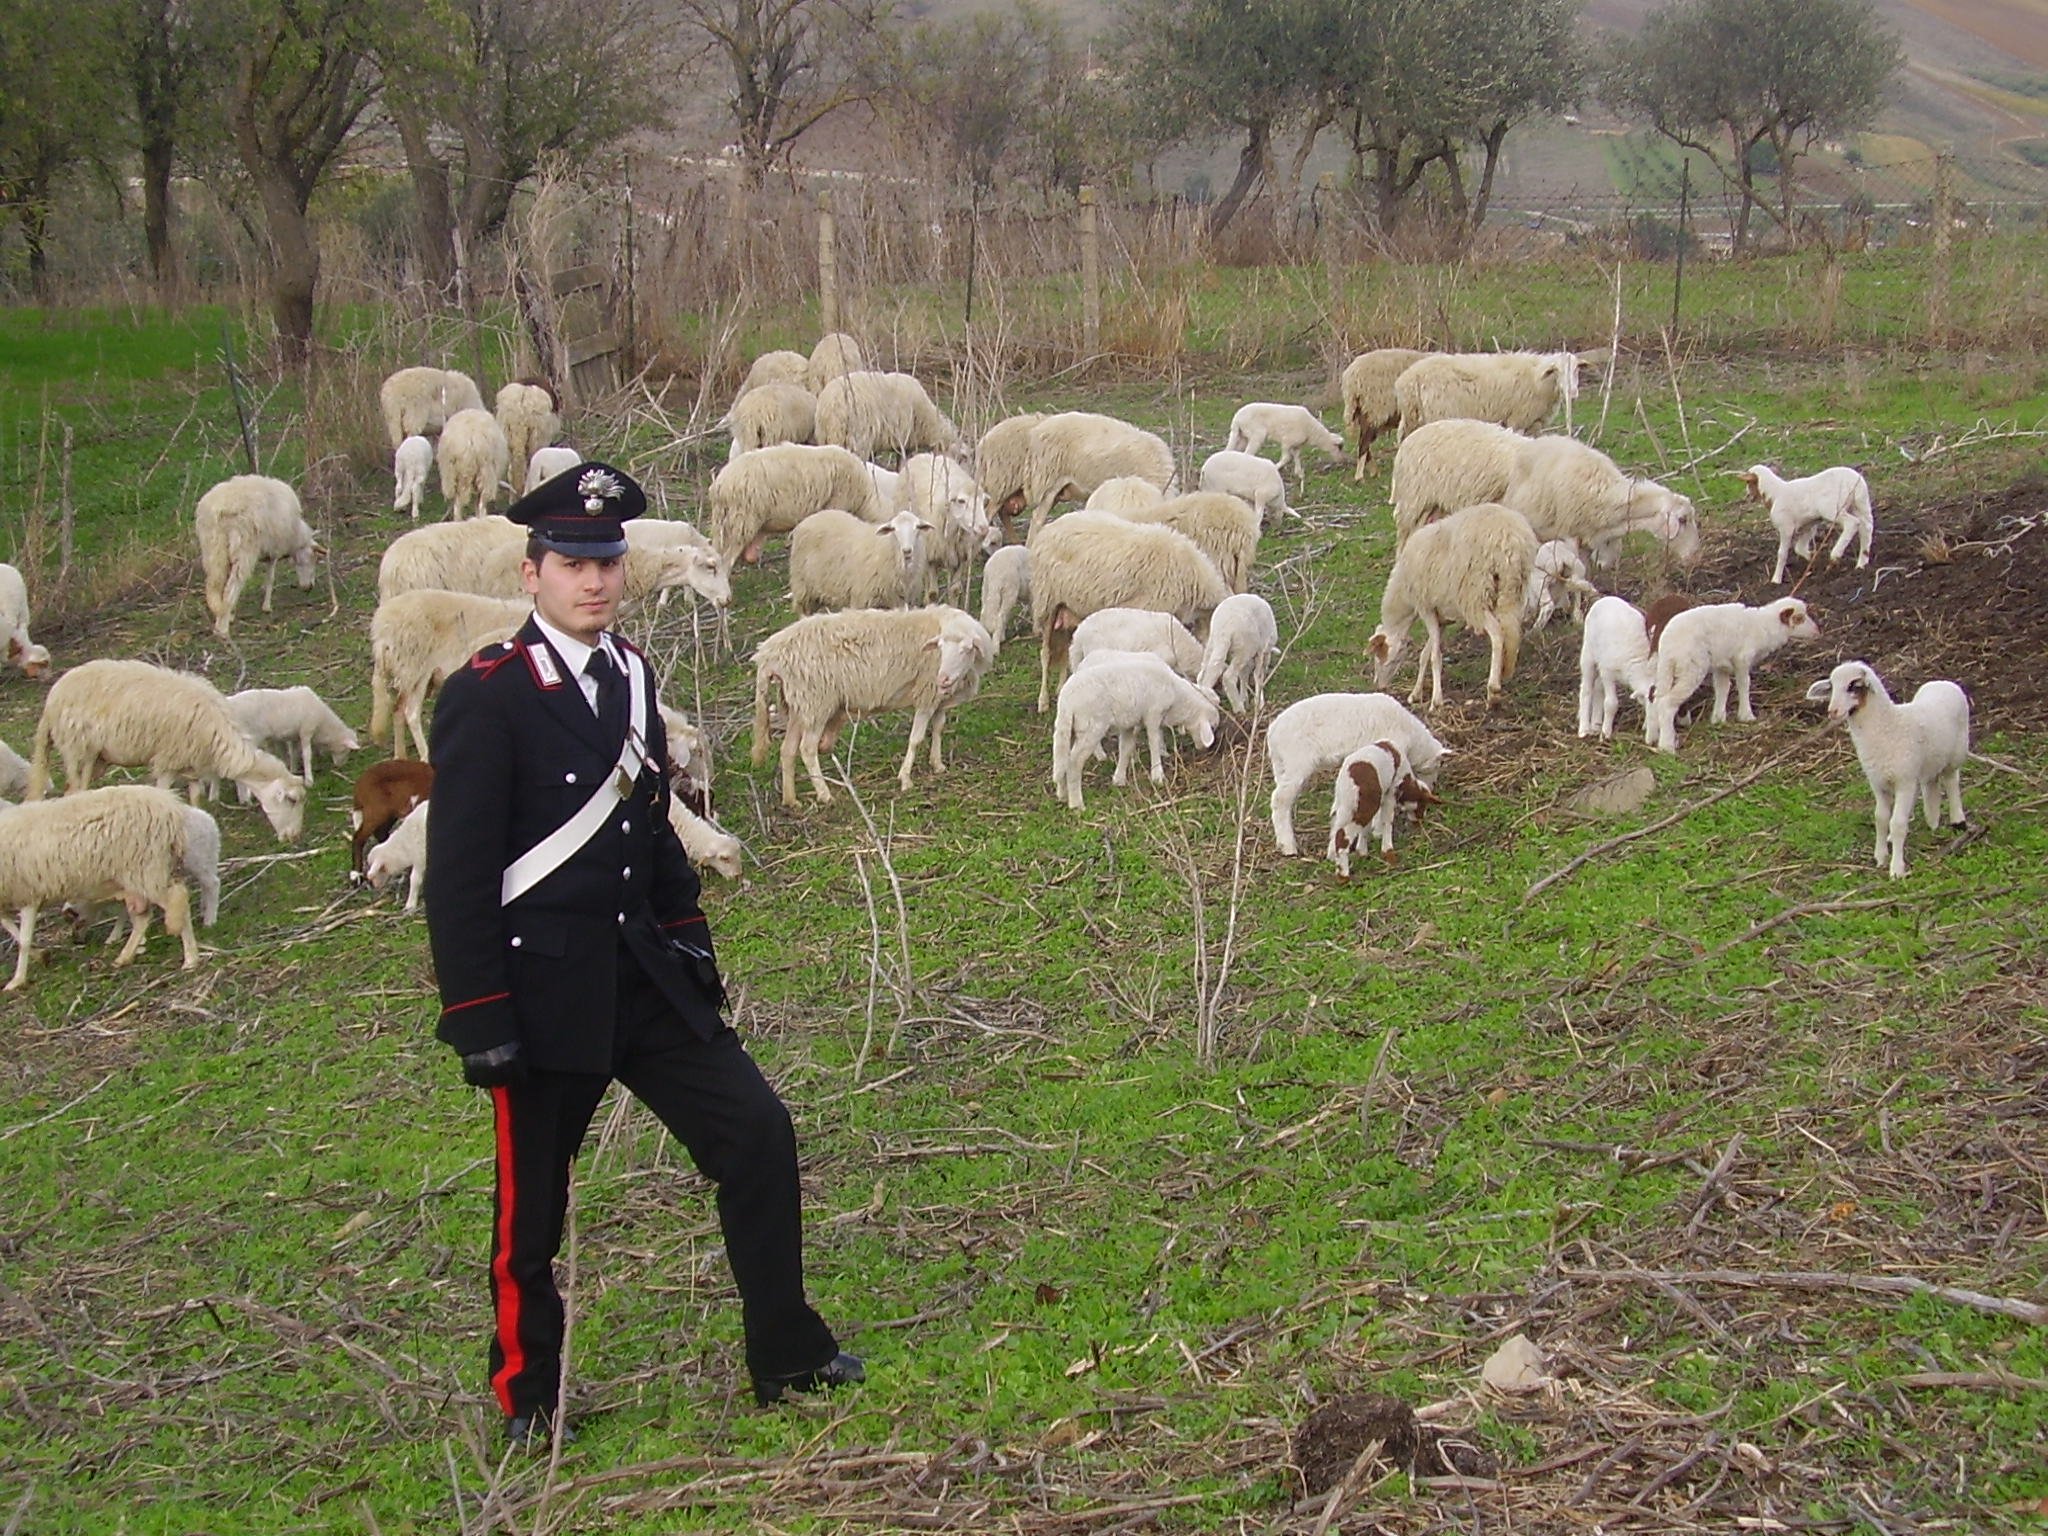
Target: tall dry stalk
[902,982]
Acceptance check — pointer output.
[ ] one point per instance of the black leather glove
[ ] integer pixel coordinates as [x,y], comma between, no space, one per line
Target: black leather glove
[495,1068]
[703,965]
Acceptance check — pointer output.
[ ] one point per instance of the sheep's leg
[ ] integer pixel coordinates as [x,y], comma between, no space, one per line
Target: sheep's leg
[1284,796]
[1086,744]
[1952,781]
[1254,440]
[808,744]
[1881,818]
[1784,550]
[791,728]
[1126,749]
[25,940]
[1610,707]
[1496,645]
[1930,800]
[269,583]
[1721,682]
[1842,543]
[919,724]
[414,713]
[1158,749]
[1865,526]
[1742,710]
[1901,824]
[306,754]
[1589,684]
[1044,664]
[938,739]
[1433,653]
[139,913]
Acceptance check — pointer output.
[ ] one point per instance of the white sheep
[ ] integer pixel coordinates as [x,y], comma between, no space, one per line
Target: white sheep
[1614,653]
[1002,463]
[1372,784]
[838,561]
[404,850]
[771,413]
[1092,560]
[1558,580]
[1918,747]
[130,714]
[416,640]
[1515,389]
[832,667]
[1222,526]
[865,412]
[126,840]
[478,555]
[1073,452]
[835,354]
[1136,629]
[1005,580]
[1369,404]
[773,489]
[1244,641]
[1317,733]
[1724,640]
[13,773]
[1249,478]
[689,757]
[1124,691]
[531,418]
[778,367]
[419,401]
[33,659]
[1804,510]
[1445,465]
[888,489]
[709,845]
[242,520]
[1472,567]
[409,469]
[946,496]
[1126,493]
[474,455]
[1292,427]
[1568,490]
[547,463]
[294,716]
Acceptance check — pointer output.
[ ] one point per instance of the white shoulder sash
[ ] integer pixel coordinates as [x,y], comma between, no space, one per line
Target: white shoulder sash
[554,850]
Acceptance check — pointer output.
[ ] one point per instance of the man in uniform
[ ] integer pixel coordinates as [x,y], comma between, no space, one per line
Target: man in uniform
[570,950]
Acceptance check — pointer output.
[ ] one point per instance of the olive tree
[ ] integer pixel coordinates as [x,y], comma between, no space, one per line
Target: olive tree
[58,112]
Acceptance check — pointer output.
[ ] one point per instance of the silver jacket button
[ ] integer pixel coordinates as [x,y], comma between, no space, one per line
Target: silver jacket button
[626,873]
[568,778]
[515,941]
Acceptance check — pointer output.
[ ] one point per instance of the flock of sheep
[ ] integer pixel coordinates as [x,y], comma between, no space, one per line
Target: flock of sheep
[1140,599]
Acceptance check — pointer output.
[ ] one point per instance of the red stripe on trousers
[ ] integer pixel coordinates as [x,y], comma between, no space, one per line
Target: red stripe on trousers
[504,1290]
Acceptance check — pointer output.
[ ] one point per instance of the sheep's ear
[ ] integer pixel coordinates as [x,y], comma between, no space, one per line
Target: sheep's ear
[932,644]
[1821,691]
[1790,614]
[1376,647]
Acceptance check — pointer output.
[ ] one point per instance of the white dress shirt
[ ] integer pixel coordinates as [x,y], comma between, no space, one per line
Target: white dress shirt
[575,656]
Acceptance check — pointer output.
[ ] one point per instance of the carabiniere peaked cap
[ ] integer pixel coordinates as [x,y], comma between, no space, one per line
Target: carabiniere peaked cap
[581,512]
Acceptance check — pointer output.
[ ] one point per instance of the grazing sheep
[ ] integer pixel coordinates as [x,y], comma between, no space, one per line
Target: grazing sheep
[832,667]
[838,561]
[1916,747]
[1447,465]
[385,793]
[240,521]
[835,354]
[1222,526]
[771,413]
[888,489]
[1725,640]
[865,412]
[22,651]
[474,456]
[689,760]
[1804,510]
[409,467]
[1292,427]
[13,773]
[773,489]
[405,849]
[1249,478]
[417,402]
[1369,404]
[1244,641]
[709,845]
[781,367]
[1558,580]
[1515,389]
[1124,691]
[126,840]
[1124,493]
[1002,463]
[1091,560]
[945,496]
[1473,567]
[531,418]
[1075,451]
[479,555]
[201,860]
[1136,629]
[292,715]
[130,714]
[1372,783]
[547,463]
[1005,579]
[1614,653]
[419,638]
[1319,732]
[1568,490]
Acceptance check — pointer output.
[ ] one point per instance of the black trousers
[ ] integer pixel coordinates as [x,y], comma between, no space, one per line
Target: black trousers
[714,1100]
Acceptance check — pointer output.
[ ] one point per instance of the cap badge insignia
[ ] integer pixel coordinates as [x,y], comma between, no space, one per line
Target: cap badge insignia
[596,487]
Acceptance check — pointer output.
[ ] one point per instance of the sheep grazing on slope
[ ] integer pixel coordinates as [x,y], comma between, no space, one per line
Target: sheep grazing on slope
[773,413]
[1568,490]
[1005,581]
[832,667]
[471,556]
[1725,640]
[547,463]
[1804,510]
[385,794]
[530,416]
[22,651]
[1372,783]
[1002,463]
[1514,389]
[1369,404]
[240,521]
[1292,427]
[1558,580]
[689,760]
[1614,653]
[838,561]
[773,489]
[866,412]
[709,845]
[1319,732]
[1124,493]
[1906,749]
[296,716]
[1473,567]
[1091,560]
[835,355]
[1136,629]
[419,401]
[1222,526]
[416,640]
[1075,451]
[1124,691]
[127,840]
[1244,640]
[1447,465]
[1249,478]
[404,850]
[475,454]
[130,714]
[409,468]
[780,367]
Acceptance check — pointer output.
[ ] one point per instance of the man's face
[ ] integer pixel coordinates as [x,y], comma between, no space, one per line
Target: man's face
[579,596]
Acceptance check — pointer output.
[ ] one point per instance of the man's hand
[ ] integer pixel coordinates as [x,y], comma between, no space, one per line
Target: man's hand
[495,1068]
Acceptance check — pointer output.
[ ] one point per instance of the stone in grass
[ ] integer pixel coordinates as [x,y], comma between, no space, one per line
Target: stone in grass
[1329,1440]
[1620,794]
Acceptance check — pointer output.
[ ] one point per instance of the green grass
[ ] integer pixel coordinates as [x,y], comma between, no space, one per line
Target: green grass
[1091,1272]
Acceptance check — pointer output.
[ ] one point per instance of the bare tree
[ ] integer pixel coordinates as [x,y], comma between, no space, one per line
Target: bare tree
[175,59]
[58,112]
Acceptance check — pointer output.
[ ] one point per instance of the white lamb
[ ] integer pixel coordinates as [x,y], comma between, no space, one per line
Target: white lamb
[1568,490]
[1445,465]
[1558,580]
[709,845]
[1124,691]
[1222,526]
[1804,510]
[773,489]
[1244,642]
[1472,567]
[1614,653]
[1515,389]
[1724,640]
[689,758]
[1249,478]
[946,497]
[1136,629]
[174,725]
[1075,451]
[771,413]
[416,640]
[409,468]
[419,401]
[1126,493]
[474,455]
[530,415]
[1292,427]
[1906,749]
[888,489]
[240,521]
[832,667]
[33,659]
[1317,733]
[835,354]
[1369,404]
[1005,580]
[838,561]
[866,412]
[13,773]
[1002,463]
[779,367]
[549,462]
[293,716]
[1372,784]
[404,850]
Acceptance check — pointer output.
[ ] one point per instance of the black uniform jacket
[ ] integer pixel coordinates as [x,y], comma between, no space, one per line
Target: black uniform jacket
[515,755]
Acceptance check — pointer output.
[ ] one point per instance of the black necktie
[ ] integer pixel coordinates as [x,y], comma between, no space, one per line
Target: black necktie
[611,692]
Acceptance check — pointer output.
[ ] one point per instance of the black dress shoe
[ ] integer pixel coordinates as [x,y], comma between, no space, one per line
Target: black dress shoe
[533,1431]
[836,1372]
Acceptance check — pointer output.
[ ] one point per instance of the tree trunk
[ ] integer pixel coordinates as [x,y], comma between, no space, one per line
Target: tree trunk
[430,190]
[1251,169]
[1297,166]
[1495,138]
[158,155]
[1746,181]
[295,263]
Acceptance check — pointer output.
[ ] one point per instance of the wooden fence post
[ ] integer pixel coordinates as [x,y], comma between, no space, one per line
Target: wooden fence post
[828,266]
[1938,276]
[1091,276]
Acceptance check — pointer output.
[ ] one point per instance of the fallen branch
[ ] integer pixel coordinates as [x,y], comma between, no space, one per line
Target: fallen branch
[1823,1280]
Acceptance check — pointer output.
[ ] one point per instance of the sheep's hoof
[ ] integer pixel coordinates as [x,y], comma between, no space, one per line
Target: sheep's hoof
[1959,826]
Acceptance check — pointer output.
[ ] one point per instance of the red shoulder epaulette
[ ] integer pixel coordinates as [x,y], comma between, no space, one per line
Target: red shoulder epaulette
[492,657]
